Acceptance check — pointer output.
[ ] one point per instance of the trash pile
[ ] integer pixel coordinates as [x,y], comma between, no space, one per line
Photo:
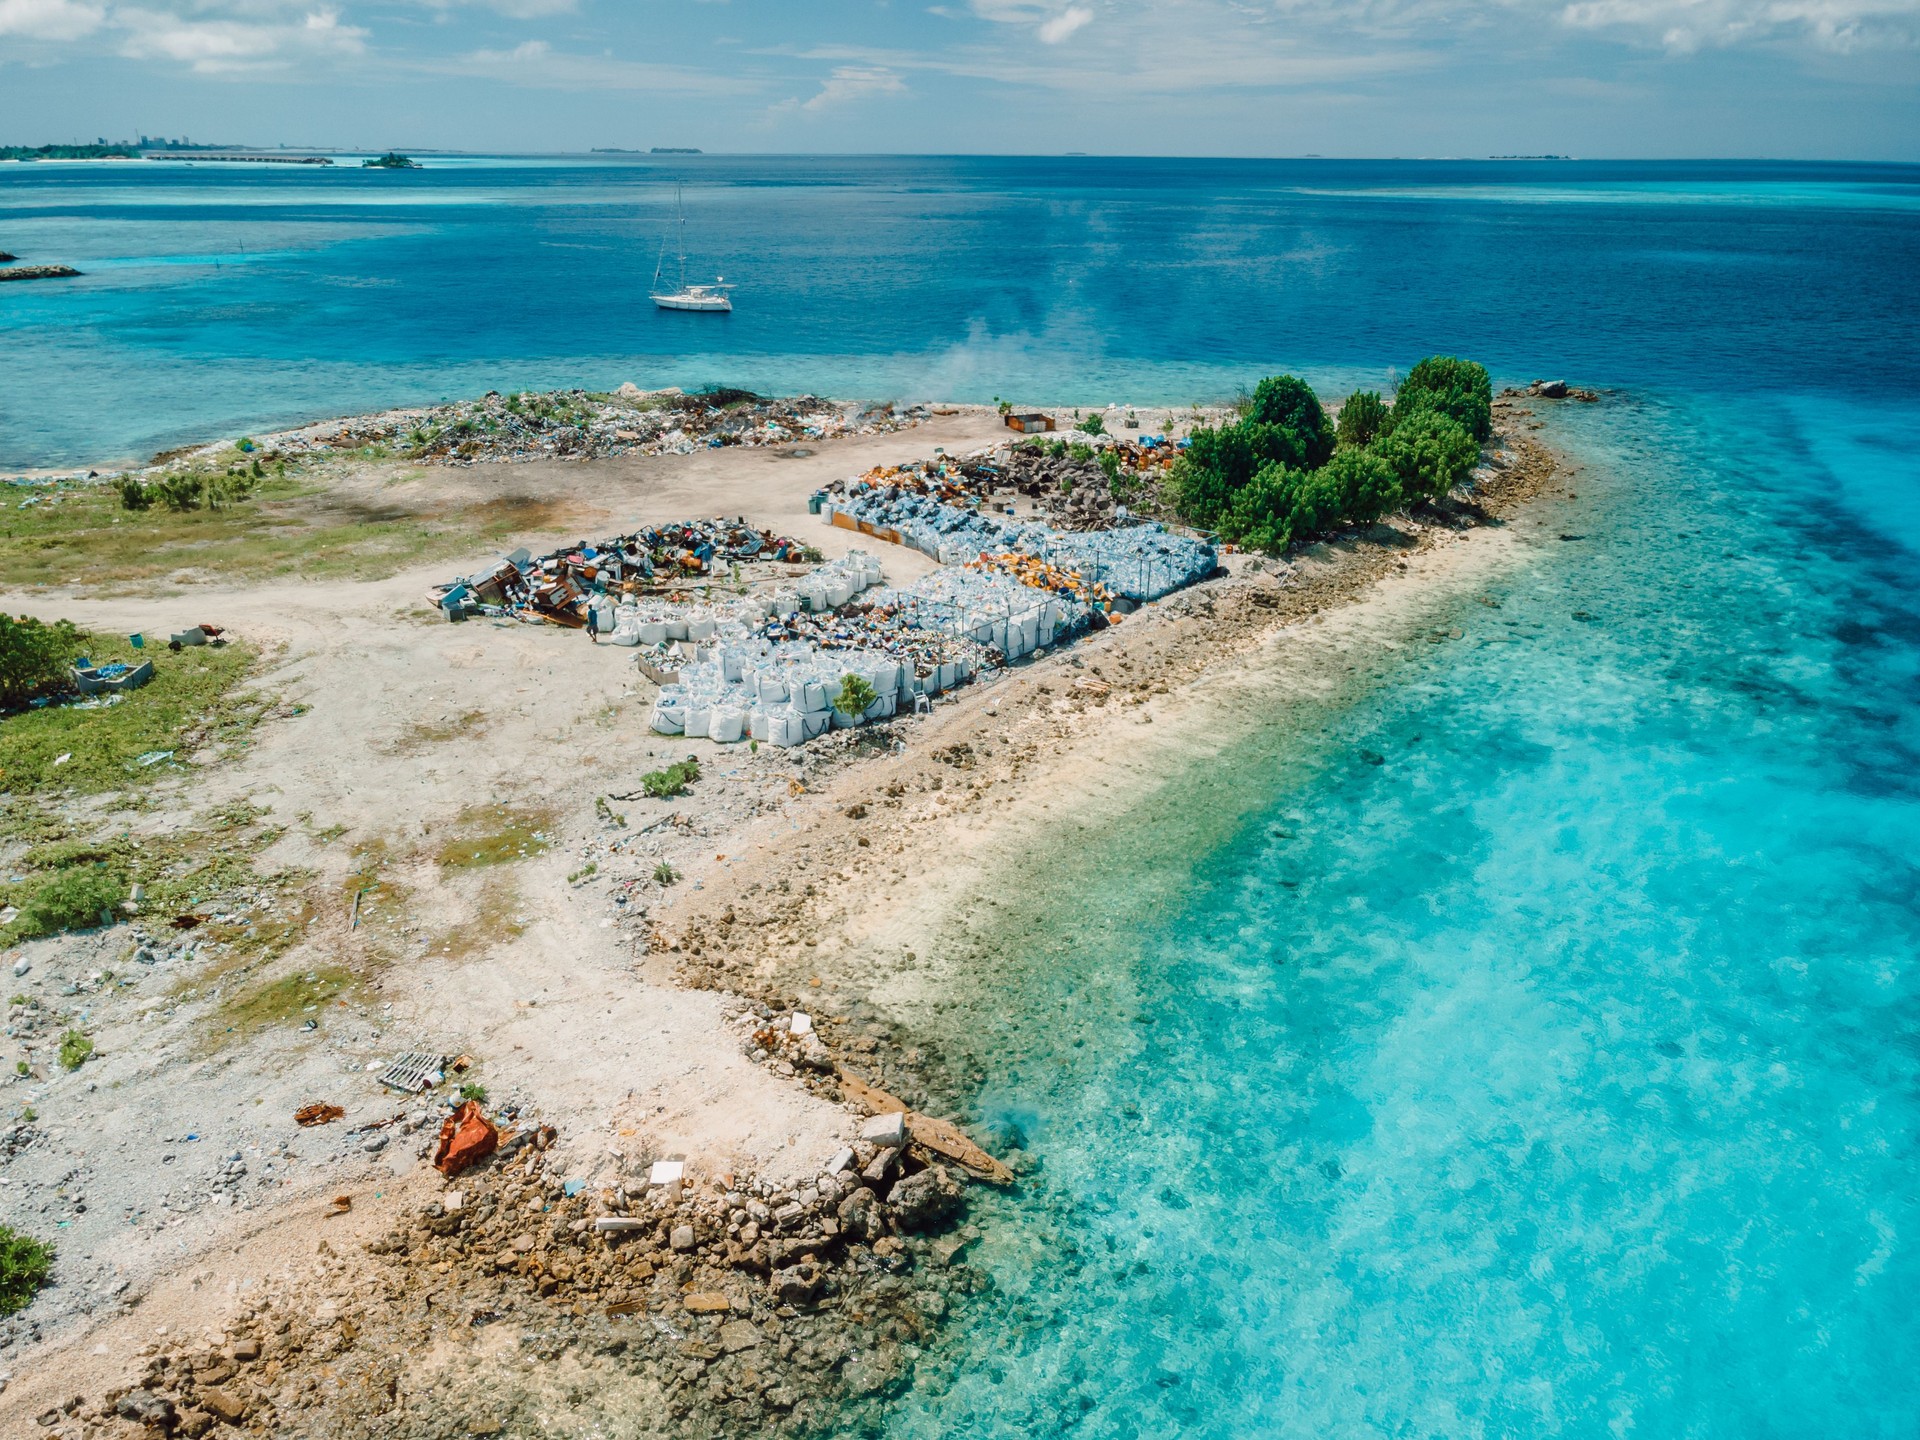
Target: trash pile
[562,587]
[658,620]
[987,607]
[581,425]
[939,515]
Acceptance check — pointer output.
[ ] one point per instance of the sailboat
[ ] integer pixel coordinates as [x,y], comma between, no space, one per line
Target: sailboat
[687,297]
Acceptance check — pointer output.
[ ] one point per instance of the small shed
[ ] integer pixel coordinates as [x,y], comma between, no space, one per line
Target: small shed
[1027,424]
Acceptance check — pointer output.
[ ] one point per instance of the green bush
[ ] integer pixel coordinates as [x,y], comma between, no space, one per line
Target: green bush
[1362,419]
[25,1264]
[1458,389]
[474,1092]
[1429,452]
[1261,515]
[665,784]
[71,900]
[35,658]
[1288,404]
[76,1047]
[134,495]
[856,697]
[1093,424]
[1367,485]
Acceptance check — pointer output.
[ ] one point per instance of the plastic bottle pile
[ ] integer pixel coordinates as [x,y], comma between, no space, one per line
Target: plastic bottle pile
[984,606]
[657,621]
[1140,562]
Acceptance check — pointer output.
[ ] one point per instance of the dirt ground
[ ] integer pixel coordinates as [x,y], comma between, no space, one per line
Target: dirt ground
[589,995]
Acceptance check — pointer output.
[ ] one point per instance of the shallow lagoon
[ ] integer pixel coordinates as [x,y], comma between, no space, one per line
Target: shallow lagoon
[1555,1075]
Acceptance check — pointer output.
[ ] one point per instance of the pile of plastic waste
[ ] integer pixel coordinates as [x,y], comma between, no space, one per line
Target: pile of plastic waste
[1139,562]
[582,425]
[564,586]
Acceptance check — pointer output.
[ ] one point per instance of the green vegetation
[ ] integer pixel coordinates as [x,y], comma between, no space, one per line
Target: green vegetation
[67,152]
[76,898]
[34,658]
[76,1048]
[197,698]
[1362,418]
[585,872]
[665,784]
[856,697]
[665,874]
[246,520]
[1093,424]
[474,1092]
[25,1264]
[1283,472]
[392,160]
[496,835]
[278,1002]
[1457,389]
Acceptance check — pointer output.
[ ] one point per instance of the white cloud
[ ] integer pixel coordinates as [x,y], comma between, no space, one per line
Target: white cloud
[1064,24]
[855,82]
[220,46]
[1686,25]
[49,19]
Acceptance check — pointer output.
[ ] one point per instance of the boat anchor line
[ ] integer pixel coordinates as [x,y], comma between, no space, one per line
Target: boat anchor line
[712,298]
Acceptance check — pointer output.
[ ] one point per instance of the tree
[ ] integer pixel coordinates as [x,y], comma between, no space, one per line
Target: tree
[1288,404]
[1362,419]
[1429,452]
[1093,424]
[1458,389]
[856,697]
[34,657]
[1367,485]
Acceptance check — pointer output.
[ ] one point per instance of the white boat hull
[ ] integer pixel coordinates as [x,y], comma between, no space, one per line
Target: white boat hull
[694,302]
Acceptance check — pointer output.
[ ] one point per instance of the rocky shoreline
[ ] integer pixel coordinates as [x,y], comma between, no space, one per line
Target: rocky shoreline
[37,272]
[711,1304]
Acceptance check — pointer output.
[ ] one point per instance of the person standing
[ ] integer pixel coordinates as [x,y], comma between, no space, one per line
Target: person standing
[593,623]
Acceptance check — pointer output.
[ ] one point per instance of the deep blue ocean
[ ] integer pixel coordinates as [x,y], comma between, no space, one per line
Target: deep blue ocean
[1558,1075]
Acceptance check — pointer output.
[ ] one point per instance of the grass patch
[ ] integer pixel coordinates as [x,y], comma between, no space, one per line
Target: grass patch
[76,898]
[496,835]
[288,1000]
[291,524]
[196,698]
[64,883]
[25,1265]
[76,1048]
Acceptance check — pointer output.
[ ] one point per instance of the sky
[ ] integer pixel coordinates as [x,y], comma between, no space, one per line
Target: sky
[1804,79]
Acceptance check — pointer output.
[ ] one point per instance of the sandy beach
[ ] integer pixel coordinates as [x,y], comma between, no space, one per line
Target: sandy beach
[614,1020]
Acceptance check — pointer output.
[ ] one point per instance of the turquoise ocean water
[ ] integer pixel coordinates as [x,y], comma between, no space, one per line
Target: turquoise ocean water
[1558,1075]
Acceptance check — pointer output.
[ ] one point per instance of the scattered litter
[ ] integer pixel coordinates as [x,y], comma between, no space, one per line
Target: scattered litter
[152,758]
[666,1172]
[466,1137]
[318,1113]
[341,1205]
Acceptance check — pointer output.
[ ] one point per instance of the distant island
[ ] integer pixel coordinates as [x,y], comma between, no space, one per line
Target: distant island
[392,160]
[255,159]
[101,151]
[676,150]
